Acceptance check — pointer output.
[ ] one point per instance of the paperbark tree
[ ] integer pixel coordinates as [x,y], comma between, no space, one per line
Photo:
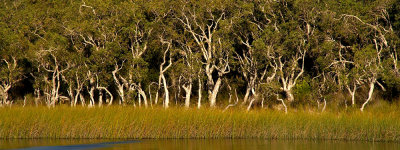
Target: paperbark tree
[255,69]
[203,30]
[162,81]
[369,58]
[189,67]
[10,75]
[50,62]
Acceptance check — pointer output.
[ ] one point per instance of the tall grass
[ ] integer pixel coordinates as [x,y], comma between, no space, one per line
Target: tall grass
[130,122]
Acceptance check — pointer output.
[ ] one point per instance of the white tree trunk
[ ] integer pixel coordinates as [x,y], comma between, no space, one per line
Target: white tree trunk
[109,94]
[4,93]
[352,94]
[370,93]
[91,94]
[289,95]
[71,94]
[283,103]
[188,92]
[37,96]
[119,85]
[83,103]
[100,98]
[143,95]
[139,100]
[253,99]
[251,104]
[156,98]
[78,93]
[56,88]
[246,96]
[213,95]
[199,92]
[166,92]
[121,94]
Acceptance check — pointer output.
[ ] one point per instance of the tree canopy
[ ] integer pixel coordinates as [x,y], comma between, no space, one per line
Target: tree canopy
[145,53]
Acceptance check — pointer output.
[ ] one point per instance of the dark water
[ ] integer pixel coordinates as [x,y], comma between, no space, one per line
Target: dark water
[206,144]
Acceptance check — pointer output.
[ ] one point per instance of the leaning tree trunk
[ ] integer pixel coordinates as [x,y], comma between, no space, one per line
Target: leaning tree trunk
[78,93]
[82,98]
[247,94]
[250,89]
[214,92]
[120,86]
[143,95]
[370,93]
[253,99]
[166,92]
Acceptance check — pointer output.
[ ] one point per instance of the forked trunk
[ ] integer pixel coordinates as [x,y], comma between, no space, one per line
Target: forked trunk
[253,99]
[352,92]
[188,92]
[353,97]
[91,94]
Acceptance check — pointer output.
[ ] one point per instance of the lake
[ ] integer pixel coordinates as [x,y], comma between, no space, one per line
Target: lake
[200,144]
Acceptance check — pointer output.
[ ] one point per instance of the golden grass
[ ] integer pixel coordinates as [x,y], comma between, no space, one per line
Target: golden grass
[130,122]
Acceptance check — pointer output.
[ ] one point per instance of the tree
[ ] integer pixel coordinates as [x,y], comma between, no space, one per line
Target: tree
[206,25]
[10,69]
[254,56]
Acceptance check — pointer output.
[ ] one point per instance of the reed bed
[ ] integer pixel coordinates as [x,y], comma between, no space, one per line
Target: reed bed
[140,123]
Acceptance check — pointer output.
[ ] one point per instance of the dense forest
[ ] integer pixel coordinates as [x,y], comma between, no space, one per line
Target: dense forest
[217,53]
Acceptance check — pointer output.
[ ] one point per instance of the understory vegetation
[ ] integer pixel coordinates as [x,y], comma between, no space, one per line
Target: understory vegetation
[381,124]
[282,54]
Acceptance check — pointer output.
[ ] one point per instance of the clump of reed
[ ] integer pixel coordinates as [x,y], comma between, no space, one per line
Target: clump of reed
[138,123]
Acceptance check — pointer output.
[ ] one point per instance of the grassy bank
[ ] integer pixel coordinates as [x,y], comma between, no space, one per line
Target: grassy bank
[129,122]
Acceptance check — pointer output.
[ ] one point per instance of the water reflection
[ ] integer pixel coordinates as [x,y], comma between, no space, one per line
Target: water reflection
[58,143]
[254,144]
[194,144]
[79,147]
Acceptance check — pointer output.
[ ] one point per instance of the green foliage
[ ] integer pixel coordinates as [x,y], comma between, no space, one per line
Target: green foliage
[303,89]
[348,42]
